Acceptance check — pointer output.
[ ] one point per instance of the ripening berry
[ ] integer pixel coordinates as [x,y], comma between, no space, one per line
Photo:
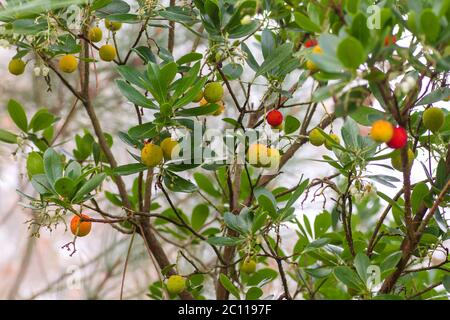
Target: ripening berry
[16,67]
[107,52]
[176,284]
[310,43]
[433,119]
[95,34]
[151,155]
[310,65]
[248,266]
[169,147]
[80,228]
[396,159]
[258,155]
[382,131]
[335,138]
[389,40]
[213,92]
[399,138]
[68,63]
[316,137]
[274,118]
[203,102]
[112,25]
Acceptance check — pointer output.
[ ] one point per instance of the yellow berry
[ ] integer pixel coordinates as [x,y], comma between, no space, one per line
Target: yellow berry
[95,34]
[68,63]
[396,159]
[433,119]
[203,102]
[169,147]
[316,137]
[107,52]
[335,138]
[213,92]
[112,25]
[16,67]
[151,155]
[258,155]
[176,284]
[248,266]
[382,131]
[310,65]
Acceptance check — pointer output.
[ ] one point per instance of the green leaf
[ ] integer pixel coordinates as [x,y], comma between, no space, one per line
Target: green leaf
[234,222]
[233,71]
[266,200]
[35,164]
[291,124]
[351,53]
[199,216]
[275,59]
[253,293]
[353,6]
[224,241]
[73,170]
[198,111]
[8,137]
[359,28]
[436,95]
[204,183]
[17,114]
[178,184]
[42,119]
[178,14]
[134,96]
[297,193]
[391,261]
[124,18]
[366,115]
[446,282]
[262,277]
[420,192]
[229,286]
[40,184]
[130,168]
[64,186]
[52,165]
[430,25]
[190,57]
[361,263]
[305,23]
[322,223]
[88,187]
[250,59]
[348,277]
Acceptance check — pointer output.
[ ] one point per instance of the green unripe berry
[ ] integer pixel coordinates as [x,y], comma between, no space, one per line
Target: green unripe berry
[112,25]
[396,159]
[433,119]
[316,137]
[328,143]
[213,92]
[16,67]
[248,266]
[176,284]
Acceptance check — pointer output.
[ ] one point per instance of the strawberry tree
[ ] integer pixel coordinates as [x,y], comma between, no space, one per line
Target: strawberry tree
[367,80]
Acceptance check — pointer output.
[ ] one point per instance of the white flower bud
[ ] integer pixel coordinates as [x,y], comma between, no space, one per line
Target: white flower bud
[45,71]
[410,81]
[4,43]
[30,38]
[438,257]
[405,87]
[37,71]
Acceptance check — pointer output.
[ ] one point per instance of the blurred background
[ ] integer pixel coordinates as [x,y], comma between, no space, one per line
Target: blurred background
[37,267]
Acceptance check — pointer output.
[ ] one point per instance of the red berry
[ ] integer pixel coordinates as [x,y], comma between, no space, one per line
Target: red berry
[310,43]
[389,40]
[274,118]
[399,138]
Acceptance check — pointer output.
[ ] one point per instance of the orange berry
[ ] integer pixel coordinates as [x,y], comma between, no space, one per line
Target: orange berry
[382,131]
[80,228]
